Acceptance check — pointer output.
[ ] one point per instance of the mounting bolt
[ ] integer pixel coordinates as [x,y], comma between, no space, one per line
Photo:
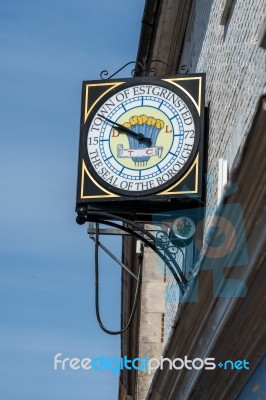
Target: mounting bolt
[80,220]
[82,211]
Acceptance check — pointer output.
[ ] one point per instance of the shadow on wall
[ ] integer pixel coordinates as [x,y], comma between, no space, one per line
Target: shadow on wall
[195,33]
[229,12]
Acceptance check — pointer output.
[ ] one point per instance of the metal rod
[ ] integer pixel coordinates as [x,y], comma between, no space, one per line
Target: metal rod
[102,246]
[97,306]
[163,253]
[114,232]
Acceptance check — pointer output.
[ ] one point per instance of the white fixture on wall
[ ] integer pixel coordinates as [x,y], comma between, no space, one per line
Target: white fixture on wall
[222,177]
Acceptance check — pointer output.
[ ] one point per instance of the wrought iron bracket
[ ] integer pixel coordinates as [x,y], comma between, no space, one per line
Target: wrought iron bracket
[144,69]
[157,240]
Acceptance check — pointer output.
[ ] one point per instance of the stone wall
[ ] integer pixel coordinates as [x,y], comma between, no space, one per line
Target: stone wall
[234,64]
[151,317]
[235,67]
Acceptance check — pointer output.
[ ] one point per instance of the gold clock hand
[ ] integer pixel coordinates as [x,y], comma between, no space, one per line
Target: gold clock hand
[122,128]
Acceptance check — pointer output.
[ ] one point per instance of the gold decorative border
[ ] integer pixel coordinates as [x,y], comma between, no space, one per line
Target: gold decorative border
[82,196]
[195,164]
[198,104]
[86,111]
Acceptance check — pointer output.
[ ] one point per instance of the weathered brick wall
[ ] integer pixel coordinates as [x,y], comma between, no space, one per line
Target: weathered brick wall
[235,67]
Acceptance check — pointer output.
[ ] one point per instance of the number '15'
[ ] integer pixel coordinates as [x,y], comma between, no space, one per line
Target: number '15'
[93,141]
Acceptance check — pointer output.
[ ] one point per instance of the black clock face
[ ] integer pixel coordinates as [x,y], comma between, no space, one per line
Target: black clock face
[142,138]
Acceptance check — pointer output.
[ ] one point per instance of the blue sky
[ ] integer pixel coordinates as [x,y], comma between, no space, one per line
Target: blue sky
[48,47]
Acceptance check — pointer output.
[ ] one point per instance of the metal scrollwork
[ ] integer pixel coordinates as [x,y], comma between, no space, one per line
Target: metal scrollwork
[138,67]
[173,249]
[183,69]
[145,69]
[163,238]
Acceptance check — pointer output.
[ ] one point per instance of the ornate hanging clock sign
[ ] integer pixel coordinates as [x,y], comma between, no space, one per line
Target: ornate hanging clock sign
[141,143]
